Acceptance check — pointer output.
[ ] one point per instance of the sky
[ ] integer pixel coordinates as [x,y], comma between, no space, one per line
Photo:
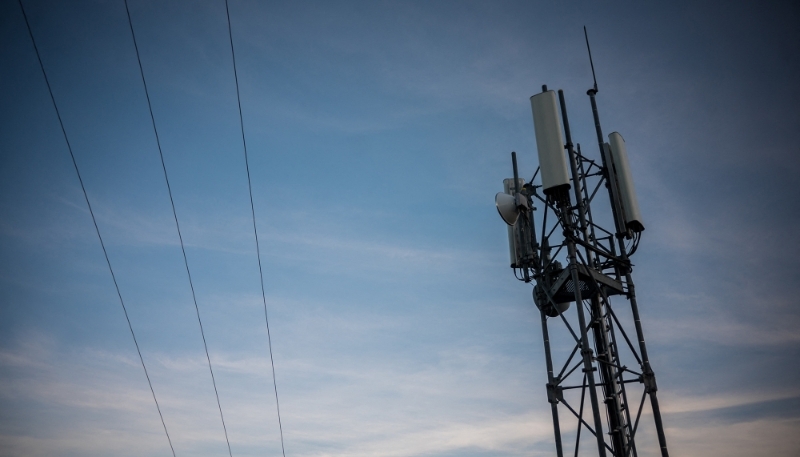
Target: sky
[378,134]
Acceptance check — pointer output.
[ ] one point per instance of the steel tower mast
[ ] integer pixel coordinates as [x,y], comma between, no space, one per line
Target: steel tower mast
[596,268]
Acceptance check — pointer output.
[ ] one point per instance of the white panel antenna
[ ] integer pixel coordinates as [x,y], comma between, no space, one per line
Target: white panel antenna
[627,193]
[549,142]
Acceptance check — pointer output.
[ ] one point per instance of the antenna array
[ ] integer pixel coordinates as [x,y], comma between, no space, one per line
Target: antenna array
[596,268]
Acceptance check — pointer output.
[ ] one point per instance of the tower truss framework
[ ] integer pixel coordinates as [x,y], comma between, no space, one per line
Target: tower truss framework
[602,379]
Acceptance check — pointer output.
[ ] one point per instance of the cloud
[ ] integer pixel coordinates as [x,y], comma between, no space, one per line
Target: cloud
[675,403]
[344,406]
[760,437]
[713,323]
[464,400]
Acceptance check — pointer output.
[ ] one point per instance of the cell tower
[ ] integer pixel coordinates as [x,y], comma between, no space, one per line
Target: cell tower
[596,268]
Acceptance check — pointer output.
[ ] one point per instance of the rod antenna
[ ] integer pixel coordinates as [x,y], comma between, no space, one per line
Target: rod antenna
[585,34]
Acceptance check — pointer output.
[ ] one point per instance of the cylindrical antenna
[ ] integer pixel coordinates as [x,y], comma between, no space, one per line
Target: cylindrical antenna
[549,142]
[586,34]
[524,244]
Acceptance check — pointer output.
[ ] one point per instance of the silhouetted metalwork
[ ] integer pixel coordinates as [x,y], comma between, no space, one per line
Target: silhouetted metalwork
[603,358]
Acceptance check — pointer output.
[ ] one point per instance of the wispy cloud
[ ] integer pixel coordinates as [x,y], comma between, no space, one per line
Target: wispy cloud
[675,403]
[759,437]
[712,323]
[405,414]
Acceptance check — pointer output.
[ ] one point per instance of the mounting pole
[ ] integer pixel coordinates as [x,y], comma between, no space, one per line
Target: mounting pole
[586,351]
[648,374]
[553,390]
[610,174]
[608,170]
[606,353]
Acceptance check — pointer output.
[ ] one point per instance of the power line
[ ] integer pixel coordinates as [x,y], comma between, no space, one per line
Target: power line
[177,225]
[255,231]
[94,221]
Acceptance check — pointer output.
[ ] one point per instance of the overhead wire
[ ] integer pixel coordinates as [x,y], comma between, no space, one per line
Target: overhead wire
[177,225]
[255,230]
[96,228]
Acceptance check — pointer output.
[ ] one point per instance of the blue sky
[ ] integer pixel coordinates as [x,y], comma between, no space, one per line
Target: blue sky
[378,134]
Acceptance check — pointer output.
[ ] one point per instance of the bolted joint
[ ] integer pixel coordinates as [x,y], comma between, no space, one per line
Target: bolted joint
[539,297]
[555,393]
[588,358]
[649,380]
